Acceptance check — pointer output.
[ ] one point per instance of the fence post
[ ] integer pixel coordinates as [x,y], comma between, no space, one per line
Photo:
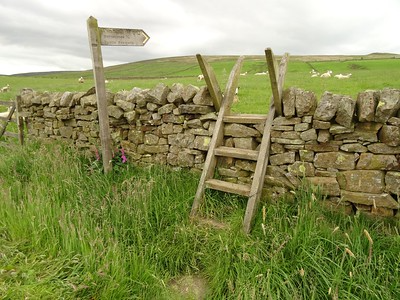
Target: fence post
[99,79]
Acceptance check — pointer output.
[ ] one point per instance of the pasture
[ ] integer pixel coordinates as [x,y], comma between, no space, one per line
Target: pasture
[368,72]
[67,231]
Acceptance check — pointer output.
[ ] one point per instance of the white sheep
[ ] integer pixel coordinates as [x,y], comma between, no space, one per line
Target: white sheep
[261,73]
[81,80]
[5,89]
[327,74]
[341,76]
[243,74]
[200,77]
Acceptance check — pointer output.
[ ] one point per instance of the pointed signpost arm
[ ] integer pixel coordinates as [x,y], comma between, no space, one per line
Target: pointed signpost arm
[99,79]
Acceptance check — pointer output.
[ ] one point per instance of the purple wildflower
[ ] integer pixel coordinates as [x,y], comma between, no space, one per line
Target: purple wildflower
[124,159]
[97,154]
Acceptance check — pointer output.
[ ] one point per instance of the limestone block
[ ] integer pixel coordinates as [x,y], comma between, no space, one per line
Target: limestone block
[203,97]
[245,143]
[353,147]
[392,180]
[288,101]
[390,135]
[366,105]
[327,107]
[306,102]
[282,121]
[306,155]
[283,158]
[323,136]
[125,105]
[374,200]
[189,92]
[202,142]
[115,112]
[388,105]
[176,93]
[309,135]
[302,169]
[166,109]
[369,161]
[329,186]
[339,160]
[323,147]
[381,148]
[158,94]
[240,130]
[368,181]
[345,111]
[363,132]
[195,109]
[317,124]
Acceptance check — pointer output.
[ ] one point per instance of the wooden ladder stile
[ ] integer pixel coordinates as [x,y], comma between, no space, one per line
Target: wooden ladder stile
[7,119]
[14,108]
[217,149]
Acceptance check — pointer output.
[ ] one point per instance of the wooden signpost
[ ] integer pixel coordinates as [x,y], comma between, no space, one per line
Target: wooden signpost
[109,37]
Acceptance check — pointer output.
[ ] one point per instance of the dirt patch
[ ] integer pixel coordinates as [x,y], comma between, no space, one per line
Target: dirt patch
[193,287]
[357,67]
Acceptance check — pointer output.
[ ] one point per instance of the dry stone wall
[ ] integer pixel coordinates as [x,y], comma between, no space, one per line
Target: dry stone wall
[350,148]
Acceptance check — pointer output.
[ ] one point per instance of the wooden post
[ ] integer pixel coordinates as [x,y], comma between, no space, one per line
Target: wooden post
[20,121]
[273,76]
[99,79]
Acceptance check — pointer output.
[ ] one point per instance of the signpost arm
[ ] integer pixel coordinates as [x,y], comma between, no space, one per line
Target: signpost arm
[99,79]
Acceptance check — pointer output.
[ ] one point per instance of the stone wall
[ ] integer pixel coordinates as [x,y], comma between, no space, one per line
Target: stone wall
[350,148]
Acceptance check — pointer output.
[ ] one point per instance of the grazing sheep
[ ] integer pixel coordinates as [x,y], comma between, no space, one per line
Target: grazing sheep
[243,74]
[261,73]
[315,75]
[81,80]
[327,74]
[341,76]
[5,88]
[200,77]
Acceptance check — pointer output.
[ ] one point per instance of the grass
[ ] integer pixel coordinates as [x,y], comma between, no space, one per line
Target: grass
[69,232]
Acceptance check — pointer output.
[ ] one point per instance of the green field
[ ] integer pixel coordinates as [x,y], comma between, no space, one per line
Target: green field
[368,72]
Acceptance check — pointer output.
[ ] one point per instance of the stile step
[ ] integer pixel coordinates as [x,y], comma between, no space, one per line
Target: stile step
[245,118]
[236,153]
[229,187]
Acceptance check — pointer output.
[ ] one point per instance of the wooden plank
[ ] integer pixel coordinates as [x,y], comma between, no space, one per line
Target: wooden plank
[259,173]
[211,81]
[6,103]
[245,118]
[217,138]
[273,76]
[11,134]
[236,153]
[262,162]
[228,187]
[20,120]
[99,79]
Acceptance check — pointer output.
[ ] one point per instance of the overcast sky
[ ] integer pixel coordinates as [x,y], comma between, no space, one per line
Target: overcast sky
[51,35]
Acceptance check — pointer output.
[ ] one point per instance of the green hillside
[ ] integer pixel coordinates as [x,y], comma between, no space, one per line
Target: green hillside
[374,71]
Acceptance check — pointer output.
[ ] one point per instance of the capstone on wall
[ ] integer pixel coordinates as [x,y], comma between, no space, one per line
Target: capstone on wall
[350,148]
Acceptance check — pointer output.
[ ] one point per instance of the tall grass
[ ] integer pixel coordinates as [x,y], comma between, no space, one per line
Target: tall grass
[69,232]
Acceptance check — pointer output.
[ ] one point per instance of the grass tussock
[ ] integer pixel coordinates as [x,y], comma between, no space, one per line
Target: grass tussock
[69,232]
